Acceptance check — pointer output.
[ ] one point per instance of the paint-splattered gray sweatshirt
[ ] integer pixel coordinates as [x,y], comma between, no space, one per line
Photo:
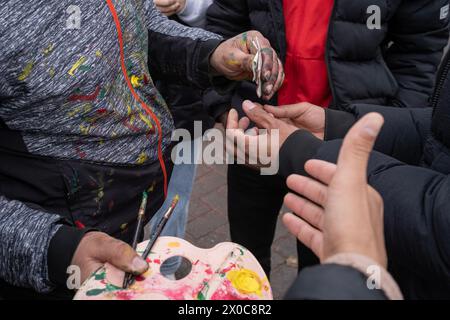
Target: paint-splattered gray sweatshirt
[62,86]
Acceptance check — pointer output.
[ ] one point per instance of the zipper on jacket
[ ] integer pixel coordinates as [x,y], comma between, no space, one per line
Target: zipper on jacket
[440,80]
[327,57]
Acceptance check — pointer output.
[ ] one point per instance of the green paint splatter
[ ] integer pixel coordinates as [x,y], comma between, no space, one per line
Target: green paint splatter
[244,38]
[111,287]
[101,276]
[200,296]
[95,292]
[242,251]
[85,68]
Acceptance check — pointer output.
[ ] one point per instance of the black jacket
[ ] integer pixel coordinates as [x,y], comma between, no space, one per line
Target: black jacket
[411,170]
[392,66]
[184,100]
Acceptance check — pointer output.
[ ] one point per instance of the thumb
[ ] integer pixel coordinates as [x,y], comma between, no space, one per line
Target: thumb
[121,255]
[357,146]
[258,115]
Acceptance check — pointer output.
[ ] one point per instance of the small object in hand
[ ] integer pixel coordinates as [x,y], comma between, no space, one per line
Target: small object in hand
[257,67]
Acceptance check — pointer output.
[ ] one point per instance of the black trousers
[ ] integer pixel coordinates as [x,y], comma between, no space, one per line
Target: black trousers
[254,203]
[101,196]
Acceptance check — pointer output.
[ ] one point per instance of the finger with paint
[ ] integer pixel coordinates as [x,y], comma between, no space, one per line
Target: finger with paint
[239,59]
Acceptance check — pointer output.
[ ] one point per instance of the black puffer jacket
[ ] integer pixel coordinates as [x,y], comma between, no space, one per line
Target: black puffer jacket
[394,65]
[411,170]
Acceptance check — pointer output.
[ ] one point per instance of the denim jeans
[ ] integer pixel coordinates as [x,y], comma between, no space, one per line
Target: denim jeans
[181,183]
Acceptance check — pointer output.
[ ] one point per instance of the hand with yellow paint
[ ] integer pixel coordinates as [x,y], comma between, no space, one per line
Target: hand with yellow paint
[234,60]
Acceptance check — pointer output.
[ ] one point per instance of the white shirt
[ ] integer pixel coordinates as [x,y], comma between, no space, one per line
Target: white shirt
[194,13]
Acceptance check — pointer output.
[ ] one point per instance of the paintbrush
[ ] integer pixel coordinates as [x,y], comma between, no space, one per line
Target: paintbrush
[157,233]
[137,233]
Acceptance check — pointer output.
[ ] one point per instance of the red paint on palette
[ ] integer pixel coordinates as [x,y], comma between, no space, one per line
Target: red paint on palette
[139,278]
[209,271]
[230,267]
[124,295]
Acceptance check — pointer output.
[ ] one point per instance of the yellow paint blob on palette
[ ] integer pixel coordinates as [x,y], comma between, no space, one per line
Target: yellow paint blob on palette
[180,271]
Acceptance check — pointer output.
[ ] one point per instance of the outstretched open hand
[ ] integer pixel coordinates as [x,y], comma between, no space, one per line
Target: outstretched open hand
[336,211]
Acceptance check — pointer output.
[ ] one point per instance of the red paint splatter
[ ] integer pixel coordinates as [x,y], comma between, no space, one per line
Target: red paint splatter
[230,267]
[178,293]
[139,278]
[102,111]
[126,123]
[157,261]
[79,224]
[88,97]
[209,271]
[124,295]
[111,205]
[80,153]
[227,292]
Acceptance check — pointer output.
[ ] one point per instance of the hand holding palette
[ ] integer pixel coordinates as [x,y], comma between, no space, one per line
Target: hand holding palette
[225,272]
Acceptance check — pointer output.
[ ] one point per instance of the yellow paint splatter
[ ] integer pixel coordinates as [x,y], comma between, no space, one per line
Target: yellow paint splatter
[77,65]
[233,62]
[146,120]
[98,53]
[49,49]
[123,226]
[142,158]
[152,187]
[173,244]
[136,81]
[52,72]
[245,281]
[26,71]
[84,129]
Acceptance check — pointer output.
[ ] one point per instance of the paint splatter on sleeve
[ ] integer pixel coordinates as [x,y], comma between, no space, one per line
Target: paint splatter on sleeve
[25,235]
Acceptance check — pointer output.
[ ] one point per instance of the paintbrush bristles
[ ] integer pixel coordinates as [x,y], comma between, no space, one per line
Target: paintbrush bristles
[172,206]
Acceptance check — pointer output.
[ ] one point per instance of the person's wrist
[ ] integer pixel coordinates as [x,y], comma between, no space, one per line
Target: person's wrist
[365,265]
[367,251]
[61,250]
[214,63]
